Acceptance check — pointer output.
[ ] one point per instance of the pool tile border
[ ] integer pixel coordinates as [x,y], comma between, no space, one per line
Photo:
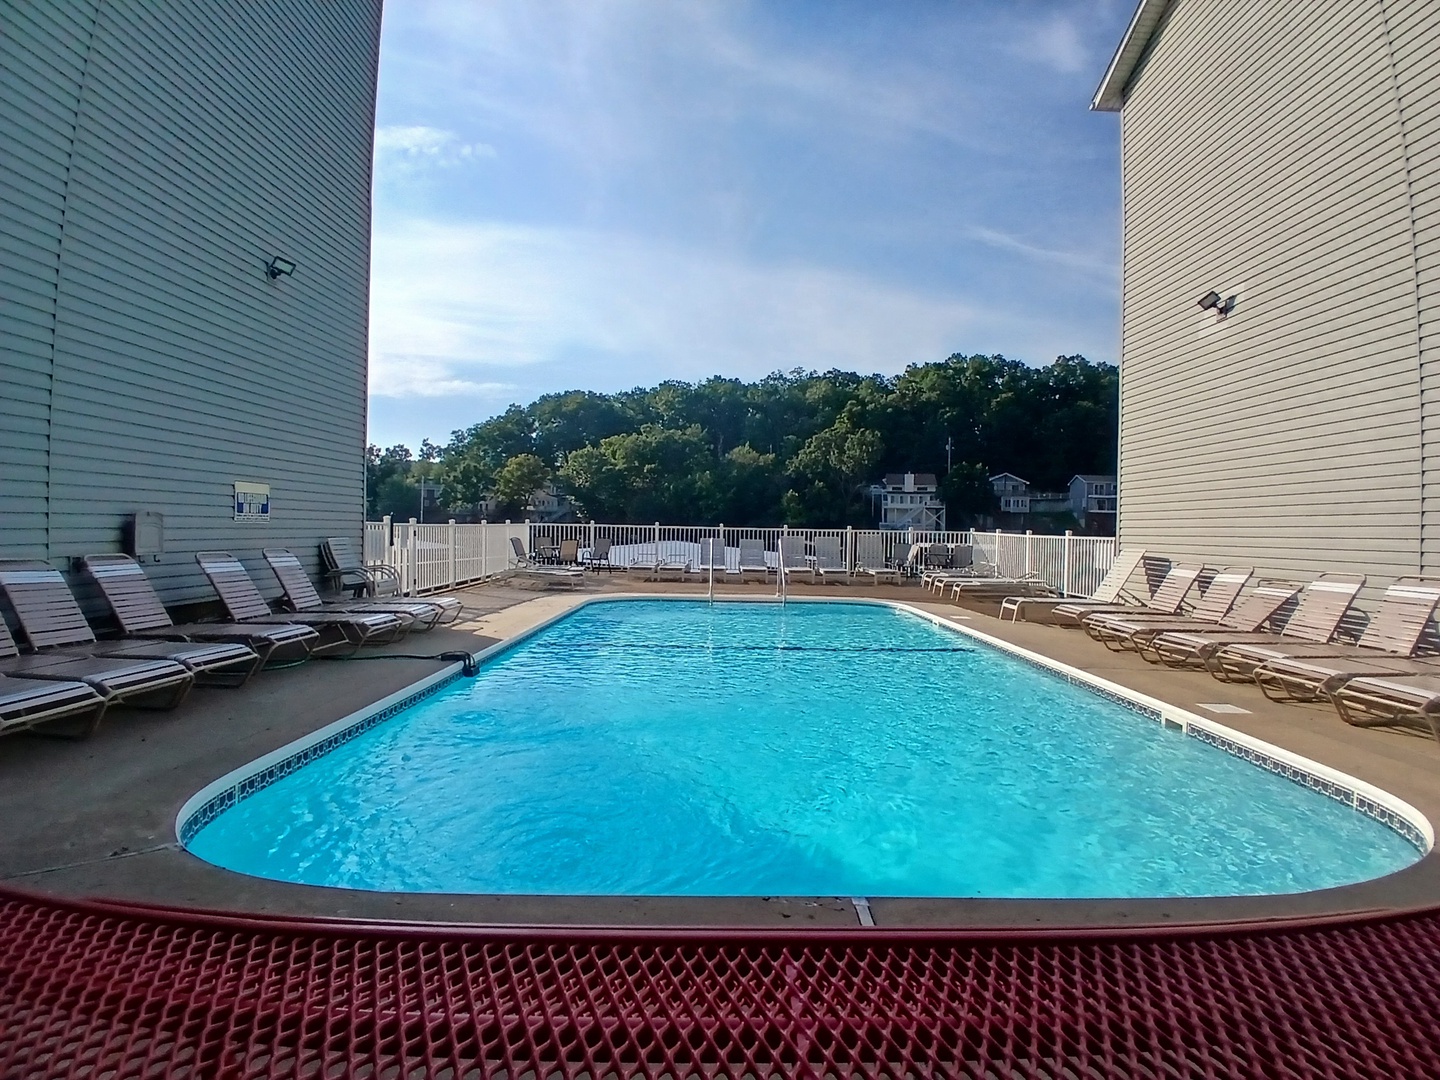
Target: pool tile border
[213,802]
[216,803]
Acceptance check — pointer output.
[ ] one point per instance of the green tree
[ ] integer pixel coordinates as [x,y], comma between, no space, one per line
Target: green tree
[518,479]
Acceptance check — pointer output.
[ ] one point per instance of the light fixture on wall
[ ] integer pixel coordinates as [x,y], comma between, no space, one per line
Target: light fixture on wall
[1212,301]
[279,265]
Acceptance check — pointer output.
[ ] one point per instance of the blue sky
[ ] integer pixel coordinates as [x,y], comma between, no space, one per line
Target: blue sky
[601,194]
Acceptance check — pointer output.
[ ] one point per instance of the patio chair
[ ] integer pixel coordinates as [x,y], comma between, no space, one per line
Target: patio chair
[518,556]
[299,595]
[1306,672]
[643,562]
[599,556]
[829,561]
[1107,593]
[140,614]
[752,561]
[870,561]
[27,704]
[937,557]
[339,632]
[1168,598]
[1315,619]
[569,552]
[1118,632]
[792,558]
[348,570]
[712,557]
[1250,613]
[379,582]
[51,620]
[151,684]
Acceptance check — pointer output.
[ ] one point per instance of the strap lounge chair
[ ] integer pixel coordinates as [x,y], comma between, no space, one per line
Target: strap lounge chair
[27,704]
[1260,605]
[51,619]
[140,614]
[1168,598]
[1315,619]
[1107,593]
[1383,700]
[752,564]
[1117,632]
[792,559]
[154,684]
[870,561]
[300,595]
[569,554]
[829,561]
[339,632]
[1302,672]
[711,558]
[377,582]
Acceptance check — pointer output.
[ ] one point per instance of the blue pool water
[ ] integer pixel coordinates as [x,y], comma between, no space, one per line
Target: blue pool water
[665,747]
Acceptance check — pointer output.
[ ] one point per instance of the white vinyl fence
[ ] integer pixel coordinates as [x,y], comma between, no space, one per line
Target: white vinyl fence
[430,557]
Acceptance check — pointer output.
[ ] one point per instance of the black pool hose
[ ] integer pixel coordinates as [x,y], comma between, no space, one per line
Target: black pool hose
[470,668]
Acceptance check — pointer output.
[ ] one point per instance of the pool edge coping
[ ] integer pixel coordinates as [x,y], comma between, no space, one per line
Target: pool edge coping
[1404,819]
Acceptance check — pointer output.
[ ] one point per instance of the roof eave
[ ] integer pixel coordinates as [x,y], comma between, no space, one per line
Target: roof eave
[1110,95]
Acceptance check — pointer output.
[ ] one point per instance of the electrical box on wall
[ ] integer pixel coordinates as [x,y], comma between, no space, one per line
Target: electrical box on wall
[145,536]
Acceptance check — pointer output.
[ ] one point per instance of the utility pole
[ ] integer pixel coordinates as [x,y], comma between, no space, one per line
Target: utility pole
[949,446]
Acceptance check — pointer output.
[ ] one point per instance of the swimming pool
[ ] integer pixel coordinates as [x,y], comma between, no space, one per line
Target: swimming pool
[662,747]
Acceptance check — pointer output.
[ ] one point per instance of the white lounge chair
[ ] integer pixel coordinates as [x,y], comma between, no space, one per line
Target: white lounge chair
[829,560]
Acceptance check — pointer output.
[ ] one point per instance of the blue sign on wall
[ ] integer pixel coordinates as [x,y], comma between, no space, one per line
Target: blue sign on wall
[252,501]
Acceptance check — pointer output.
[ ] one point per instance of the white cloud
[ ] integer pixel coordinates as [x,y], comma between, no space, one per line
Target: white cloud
[451,307]
[1074,260]
[1057,43]
[407,147]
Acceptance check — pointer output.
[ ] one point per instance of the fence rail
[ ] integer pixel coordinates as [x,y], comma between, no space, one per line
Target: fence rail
[428,557]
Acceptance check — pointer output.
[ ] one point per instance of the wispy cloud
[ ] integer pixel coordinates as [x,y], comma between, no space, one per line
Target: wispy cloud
[1074,260]
[1056,43]
[453,303]
[407,147]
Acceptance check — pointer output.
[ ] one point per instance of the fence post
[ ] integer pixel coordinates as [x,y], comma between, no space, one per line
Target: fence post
[1065,566]
[720,532]
[414,569]
[484,548]
[450,543]
[998,566]
[592,542]
[849,549]
[1028,543]
[389,541]
[657,547]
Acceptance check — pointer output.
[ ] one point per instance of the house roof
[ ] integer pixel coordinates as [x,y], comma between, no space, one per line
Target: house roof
[1144,25]
[1011,475]
[922,479]
[1094,478]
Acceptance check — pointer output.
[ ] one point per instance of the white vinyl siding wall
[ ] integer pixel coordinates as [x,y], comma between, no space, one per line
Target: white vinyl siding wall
[179,146]
[1265,156]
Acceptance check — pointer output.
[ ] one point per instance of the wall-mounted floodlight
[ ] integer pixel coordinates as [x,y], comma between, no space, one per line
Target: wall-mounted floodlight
[1212,301]
[277,266]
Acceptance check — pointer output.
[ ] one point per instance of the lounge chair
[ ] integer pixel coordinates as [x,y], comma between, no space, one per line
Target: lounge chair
[1168,598]
[829,561]
[299,595]
[599,556]
[1305,672]
[339,632]
[671,567]
[348,570]
[569,553]
[51,619]
[792,558]
[870,561]
[140,614]
[1117,632]
[752,561]
[377,582]
[712,558]
[937,557]
[26,704]
[1379,700]
[1315,619]
[155,684]
[1108,592]
[1260,605]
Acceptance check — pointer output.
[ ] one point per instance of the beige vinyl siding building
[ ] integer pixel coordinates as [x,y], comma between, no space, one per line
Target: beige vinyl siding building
[1286,155]
[157,154]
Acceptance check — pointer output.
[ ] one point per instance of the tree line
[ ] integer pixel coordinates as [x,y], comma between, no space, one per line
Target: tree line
[797,447]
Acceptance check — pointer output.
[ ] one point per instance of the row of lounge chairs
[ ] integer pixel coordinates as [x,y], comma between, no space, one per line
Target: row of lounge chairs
[67,678]
[1283,638]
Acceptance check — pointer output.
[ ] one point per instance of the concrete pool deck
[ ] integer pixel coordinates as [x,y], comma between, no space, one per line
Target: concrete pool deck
[96,818]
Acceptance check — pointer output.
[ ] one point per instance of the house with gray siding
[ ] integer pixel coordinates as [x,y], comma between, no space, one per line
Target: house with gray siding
[1280,338]
[164,163]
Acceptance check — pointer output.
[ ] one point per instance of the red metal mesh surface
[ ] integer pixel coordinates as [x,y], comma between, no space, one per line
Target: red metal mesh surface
[120,993]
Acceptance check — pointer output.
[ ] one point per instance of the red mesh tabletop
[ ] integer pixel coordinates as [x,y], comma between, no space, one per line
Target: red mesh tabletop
[115,992]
